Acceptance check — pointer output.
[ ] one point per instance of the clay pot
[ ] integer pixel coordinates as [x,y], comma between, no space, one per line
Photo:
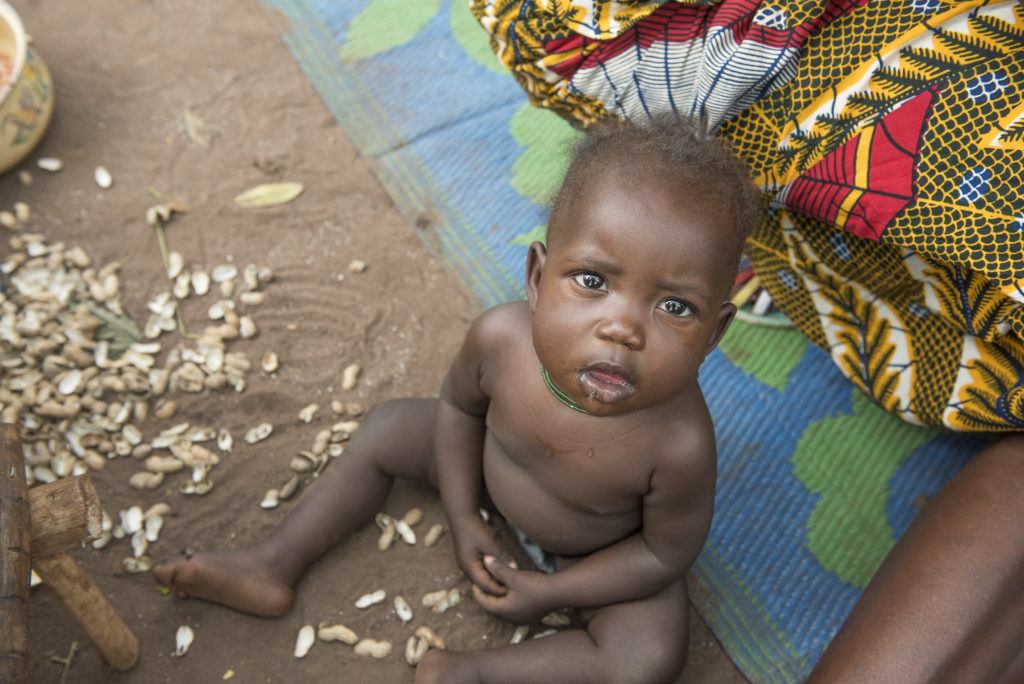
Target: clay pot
[26,97]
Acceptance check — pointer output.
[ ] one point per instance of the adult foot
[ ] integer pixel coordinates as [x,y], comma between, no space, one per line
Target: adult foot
[236,579]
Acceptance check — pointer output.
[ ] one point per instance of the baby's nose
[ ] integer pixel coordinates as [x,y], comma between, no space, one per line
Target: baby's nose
[624,327]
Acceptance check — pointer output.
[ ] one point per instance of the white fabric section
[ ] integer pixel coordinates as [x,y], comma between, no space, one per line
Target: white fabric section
[801,252]
[734,76]
[588,22]
[917,267]
[1017,292]
[970,355]
[670,63]
[772,17]
[611,83]
[697,77]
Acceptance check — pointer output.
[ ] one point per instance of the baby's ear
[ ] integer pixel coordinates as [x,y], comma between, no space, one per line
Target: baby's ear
[726,314]
[535,259]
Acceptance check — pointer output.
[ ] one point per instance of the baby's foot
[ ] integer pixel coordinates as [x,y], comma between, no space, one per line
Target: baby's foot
[443,666]
[236,579]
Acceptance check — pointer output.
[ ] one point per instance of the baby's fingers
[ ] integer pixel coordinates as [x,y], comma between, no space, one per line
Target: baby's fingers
[486,601]
[484,580]
[489,546]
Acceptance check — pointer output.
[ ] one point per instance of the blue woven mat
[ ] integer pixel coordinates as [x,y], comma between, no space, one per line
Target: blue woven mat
[815,482]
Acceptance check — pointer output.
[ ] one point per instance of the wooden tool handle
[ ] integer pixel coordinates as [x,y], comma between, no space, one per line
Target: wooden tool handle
[15,559]
[68,580]
[64,514]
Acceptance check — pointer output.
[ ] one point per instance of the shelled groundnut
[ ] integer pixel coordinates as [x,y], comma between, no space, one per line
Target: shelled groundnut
[183,639]
[430,637]
[373,648]
[387,537]
[308,413]
[350,376]
[433,534]
[441,600]
[84,396]
[415,648]
[371,599]
[304,641]
[336,632]
[402,609]
[259,433]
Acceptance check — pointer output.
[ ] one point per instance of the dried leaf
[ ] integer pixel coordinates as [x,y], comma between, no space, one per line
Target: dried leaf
[197,130]
[269,194]
[120,331]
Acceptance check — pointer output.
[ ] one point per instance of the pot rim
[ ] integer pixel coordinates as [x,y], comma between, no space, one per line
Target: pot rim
[13,21]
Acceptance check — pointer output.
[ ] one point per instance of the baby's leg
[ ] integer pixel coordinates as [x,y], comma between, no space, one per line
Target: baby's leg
[948,602]
[396,439]
[643,641]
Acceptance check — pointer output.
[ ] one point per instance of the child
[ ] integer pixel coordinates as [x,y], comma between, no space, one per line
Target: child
[577,413]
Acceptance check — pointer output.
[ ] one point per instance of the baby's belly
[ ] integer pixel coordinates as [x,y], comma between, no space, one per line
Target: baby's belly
[545,518]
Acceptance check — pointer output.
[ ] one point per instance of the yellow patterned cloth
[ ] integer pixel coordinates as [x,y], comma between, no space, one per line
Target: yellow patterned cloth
[888,136]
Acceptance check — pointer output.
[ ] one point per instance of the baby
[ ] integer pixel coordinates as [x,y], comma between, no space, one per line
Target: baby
[577,413]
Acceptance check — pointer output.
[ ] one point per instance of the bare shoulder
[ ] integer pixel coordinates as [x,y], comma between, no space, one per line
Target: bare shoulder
[500,326]
[680,503]
[688,442]
[495,332]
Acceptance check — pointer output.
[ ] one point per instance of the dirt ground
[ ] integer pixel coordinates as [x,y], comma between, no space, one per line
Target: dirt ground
[125,73]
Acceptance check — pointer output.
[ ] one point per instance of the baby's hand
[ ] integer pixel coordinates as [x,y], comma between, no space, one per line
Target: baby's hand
[473,539]
[525,599]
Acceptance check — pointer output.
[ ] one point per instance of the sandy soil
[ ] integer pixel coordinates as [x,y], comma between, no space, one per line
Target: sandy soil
[125,73]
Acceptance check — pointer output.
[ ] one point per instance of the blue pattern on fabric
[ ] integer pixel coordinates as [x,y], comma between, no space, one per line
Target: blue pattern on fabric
[987,86]
[975,184]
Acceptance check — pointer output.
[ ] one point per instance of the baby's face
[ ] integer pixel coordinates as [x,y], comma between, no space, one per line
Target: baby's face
[631,295]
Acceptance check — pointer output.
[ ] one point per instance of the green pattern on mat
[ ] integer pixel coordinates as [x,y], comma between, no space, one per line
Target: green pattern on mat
[769,354]
[468,34]
[548,141]
[539,170]
[848,531]
[722,598]
[386,24]
[405,179]
[538,234]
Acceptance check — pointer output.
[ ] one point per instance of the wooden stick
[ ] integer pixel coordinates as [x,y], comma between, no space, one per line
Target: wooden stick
[68,580]
[64,514]
[66,662]
[15,559]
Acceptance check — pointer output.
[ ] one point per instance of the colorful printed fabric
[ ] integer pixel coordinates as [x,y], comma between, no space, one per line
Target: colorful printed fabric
[889,138]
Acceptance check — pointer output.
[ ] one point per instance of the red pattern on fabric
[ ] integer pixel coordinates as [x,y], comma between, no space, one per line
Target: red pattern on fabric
[738,15]
[822,189]
[673,22]
[679,23]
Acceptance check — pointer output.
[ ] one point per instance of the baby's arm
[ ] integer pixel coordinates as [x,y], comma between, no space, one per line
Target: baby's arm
[458,448]
[677,510]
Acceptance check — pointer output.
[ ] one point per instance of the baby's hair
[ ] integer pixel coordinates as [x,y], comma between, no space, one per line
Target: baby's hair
[672,147]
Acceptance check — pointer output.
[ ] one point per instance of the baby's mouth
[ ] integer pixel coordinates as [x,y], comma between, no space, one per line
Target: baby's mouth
[606,383]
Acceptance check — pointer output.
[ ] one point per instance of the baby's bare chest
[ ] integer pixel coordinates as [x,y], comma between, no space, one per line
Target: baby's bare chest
[571,497]
[543,464]
[589,473]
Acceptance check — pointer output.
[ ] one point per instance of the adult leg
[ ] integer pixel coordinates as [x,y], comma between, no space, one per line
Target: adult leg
[396,439]
[642,641]
[948,602]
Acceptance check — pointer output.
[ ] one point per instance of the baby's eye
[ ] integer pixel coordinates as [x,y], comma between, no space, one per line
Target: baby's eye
[677,308]
[591,281]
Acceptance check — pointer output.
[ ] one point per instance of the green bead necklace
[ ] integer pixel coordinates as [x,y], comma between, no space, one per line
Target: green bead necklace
[559,393]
